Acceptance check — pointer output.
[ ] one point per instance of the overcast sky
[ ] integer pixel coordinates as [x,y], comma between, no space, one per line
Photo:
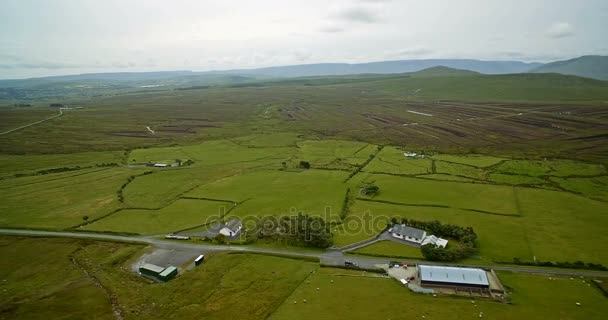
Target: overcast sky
[52,37]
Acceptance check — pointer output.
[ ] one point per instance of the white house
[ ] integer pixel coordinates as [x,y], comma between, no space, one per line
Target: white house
[160,165]
[232,228]
[407,233]
[410,154]
[435,240]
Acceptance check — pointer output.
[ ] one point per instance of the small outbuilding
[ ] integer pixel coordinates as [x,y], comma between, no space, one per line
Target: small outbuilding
[435,240]
[169,273]
[150,270]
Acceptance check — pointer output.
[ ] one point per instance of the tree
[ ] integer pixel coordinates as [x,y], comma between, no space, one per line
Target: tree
[85,218]
[370,189]
[178,161]
[304,165]
[220,238]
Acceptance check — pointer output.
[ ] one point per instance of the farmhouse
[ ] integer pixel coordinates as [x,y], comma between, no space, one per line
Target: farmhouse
[407,233]
[410,154]
[160,165]
[232,228]
[441,276]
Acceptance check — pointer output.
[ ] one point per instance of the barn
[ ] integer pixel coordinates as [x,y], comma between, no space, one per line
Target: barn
[441,276]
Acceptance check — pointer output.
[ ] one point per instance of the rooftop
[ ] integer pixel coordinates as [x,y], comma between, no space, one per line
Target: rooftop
[233,224]
[453,275]
[407,231]
[152,267]
[168,271]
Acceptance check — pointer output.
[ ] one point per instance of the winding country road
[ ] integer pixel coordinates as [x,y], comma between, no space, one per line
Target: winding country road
[330,257]
[34,123]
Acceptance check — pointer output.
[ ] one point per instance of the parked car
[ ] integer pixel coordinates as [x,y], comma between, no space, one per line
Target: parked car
[350,264]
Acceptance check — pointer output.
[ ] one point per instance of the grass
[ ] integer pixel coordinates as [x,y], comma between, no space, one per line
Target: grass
[360,297]
[390,249]
[165,185]
[52,286]
[24,164]
[57,201]
[444,193]
[596,188]
[456,169]
[514,179]
[221,288]
[475,160]
[391,160]
[224,287]
[333,154]
[445,177]
[500,237]
[274,192]
[559,168]
[549,226]
[181,214]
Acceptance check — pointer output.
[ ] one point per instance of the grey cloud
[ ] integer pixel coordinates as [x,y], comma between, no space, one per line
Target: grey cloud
[332,29]
[560,30]
[359,14]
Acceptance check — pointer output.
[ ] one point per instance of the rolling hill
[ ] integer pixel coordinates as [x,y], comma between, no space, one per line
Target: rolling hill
[595,67]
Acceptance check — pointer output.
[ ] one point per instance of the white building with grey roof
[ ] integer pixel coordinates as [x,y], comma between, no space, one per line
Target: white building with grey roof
[407,233]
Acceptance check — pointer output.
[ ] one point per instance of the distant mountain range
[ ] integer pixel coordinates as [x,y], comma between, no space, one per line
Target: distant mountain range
[385,67]
[595,67]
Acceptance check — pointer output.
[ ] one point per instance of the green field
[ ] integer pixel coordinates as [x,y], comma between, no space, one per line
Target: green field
[266,192]
[60,200]
[390,249]
[181,214]
[392,160]
[546,226]
[520,158]
[355,295]
[77,279]
[57,287]
[475,160]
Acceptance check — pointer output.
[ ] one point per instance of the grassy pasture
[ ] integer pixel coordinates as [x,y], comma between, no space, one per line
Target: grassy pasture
[391,249]
[12,164]
[445,177]
[214,152]
[549,226]
[335,154]
[456,169]
[500,237]
[350,294]
[444,193]
[56,201]
[221,288]
[51,288]
[165,185]
[271,140]
[559,168]
[476,160]
[514,179]
[275,192]
[596,187]
[392,160]
[181,214]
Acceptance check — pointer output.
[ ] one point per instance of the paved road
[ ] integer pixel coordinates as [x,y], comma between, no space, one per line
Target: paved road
[330,257]
[34,123]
